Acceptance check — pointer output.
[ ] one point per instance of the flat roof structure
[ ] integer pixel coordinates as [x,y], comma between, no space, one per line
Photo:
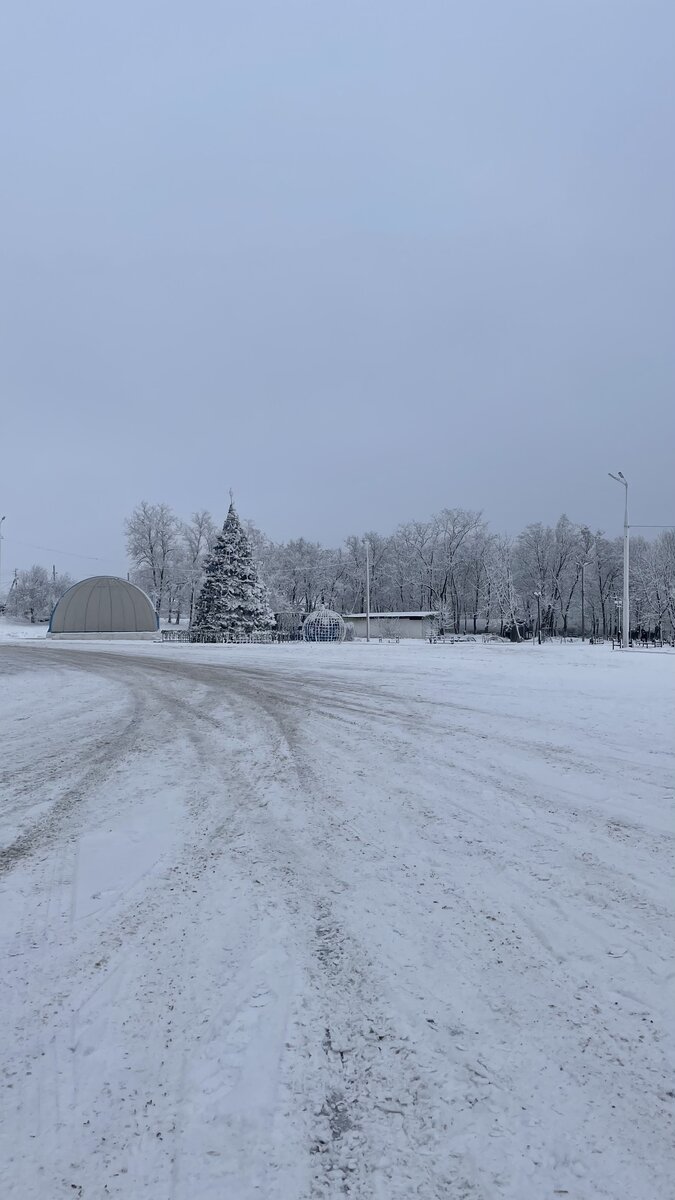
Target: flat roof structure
[390,615]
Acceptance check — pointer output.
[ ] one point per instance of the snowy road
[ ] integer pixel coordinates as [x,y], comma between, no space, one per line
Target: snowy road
[291,922]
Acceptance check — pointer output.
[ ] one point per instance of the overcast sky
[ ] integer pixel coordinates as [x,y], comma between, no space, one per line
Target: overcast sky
[358,261]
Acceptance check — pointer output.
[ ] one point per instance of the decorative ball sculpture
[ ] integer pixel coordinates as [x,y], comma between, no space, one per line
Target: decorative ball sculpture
[324,625]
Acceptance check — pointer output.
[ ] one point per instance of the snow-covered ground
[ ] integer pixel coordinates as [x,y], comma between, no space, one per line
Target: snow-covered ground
[10,630]
[381,921]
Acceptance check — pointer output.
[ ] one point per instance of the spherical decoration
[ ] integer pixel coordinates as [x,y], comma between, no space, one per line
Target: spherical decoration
[323,626]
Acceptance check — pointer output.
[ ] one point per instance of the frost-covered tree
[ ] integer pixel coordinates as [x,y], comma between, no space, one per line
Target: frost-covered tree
[152,543]
[199,536]
[475,582]
[503,552]
[300,573]
[450,563]
[232,601]
[35,592]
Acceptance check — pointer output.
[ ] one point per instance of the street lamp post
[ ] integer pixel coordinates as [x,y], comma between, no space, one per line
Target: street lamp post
[583,566]
[625,623]
[618,604]
[367,590]
[1,522]
[538,598]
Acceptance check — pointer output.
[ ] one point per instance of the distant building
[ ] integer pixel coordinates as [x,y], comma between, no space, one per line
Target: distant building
[395,624]
[104,607]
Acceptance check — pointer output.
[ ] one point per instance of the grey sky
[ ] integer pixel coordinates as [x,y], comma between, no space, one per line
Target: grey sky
[358,261]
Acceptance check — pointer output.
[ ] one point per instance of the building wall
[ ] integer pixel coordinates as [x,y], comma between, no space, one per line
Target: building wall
[129,636]
[387,627]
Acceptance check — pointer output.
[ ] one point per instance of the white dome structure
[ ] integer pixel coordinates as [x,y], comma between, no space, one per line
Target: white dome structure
[323,625]
[104,607]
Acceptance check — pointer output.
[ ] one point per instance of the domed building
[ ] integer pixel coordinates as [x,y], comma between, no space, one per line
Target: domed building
[104,607]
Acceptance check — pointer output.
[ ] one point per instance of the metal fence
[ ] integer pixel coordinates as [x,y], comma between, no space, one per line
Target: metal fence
[255,639]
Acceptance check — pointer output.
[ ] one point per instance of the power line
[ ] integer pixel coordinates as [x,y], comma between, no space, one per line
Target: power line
[52,550]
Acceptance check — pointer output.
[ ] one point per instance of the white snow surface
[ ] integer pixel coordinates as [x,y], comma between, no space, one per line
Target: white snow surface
[380,921]
[11,630]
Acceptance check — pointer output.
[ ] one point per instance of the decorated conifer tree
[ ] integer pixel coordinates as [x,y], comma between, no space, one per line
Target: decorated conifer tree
[232,601]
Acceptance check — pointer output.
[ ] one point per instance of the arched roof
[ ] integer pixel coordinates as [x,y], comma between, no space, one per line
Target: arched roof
[103,604]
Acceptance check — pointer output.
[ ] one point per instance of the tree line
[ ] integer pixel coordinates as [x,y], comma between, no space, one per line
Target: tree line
[452,563]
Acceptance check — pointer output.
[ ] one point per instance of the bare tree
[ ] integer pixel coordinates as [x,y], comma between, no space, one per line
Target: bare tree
[653,583]
[417,541]
[608,565]
[152,534]
[451,564]
[533,569]
[502,551]
[198,537]
[36,591]
[566,567]
[32,592]
[300,573]
[352,580]
[476,579]
[453,527]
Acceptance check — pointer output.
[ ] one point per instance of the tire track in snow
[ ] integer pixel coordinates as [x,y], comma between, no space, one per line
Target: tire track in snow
[86,768]
[269,818]
[372,1097]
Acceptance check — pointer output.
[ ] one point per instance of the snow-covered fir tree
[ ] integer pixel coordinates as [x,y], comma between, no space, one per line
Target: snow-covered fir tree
[232,601]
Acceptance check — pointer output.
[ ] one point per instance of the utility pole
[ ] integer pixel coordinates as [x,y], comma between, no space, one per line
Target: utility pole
[367,590]
[625,614]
